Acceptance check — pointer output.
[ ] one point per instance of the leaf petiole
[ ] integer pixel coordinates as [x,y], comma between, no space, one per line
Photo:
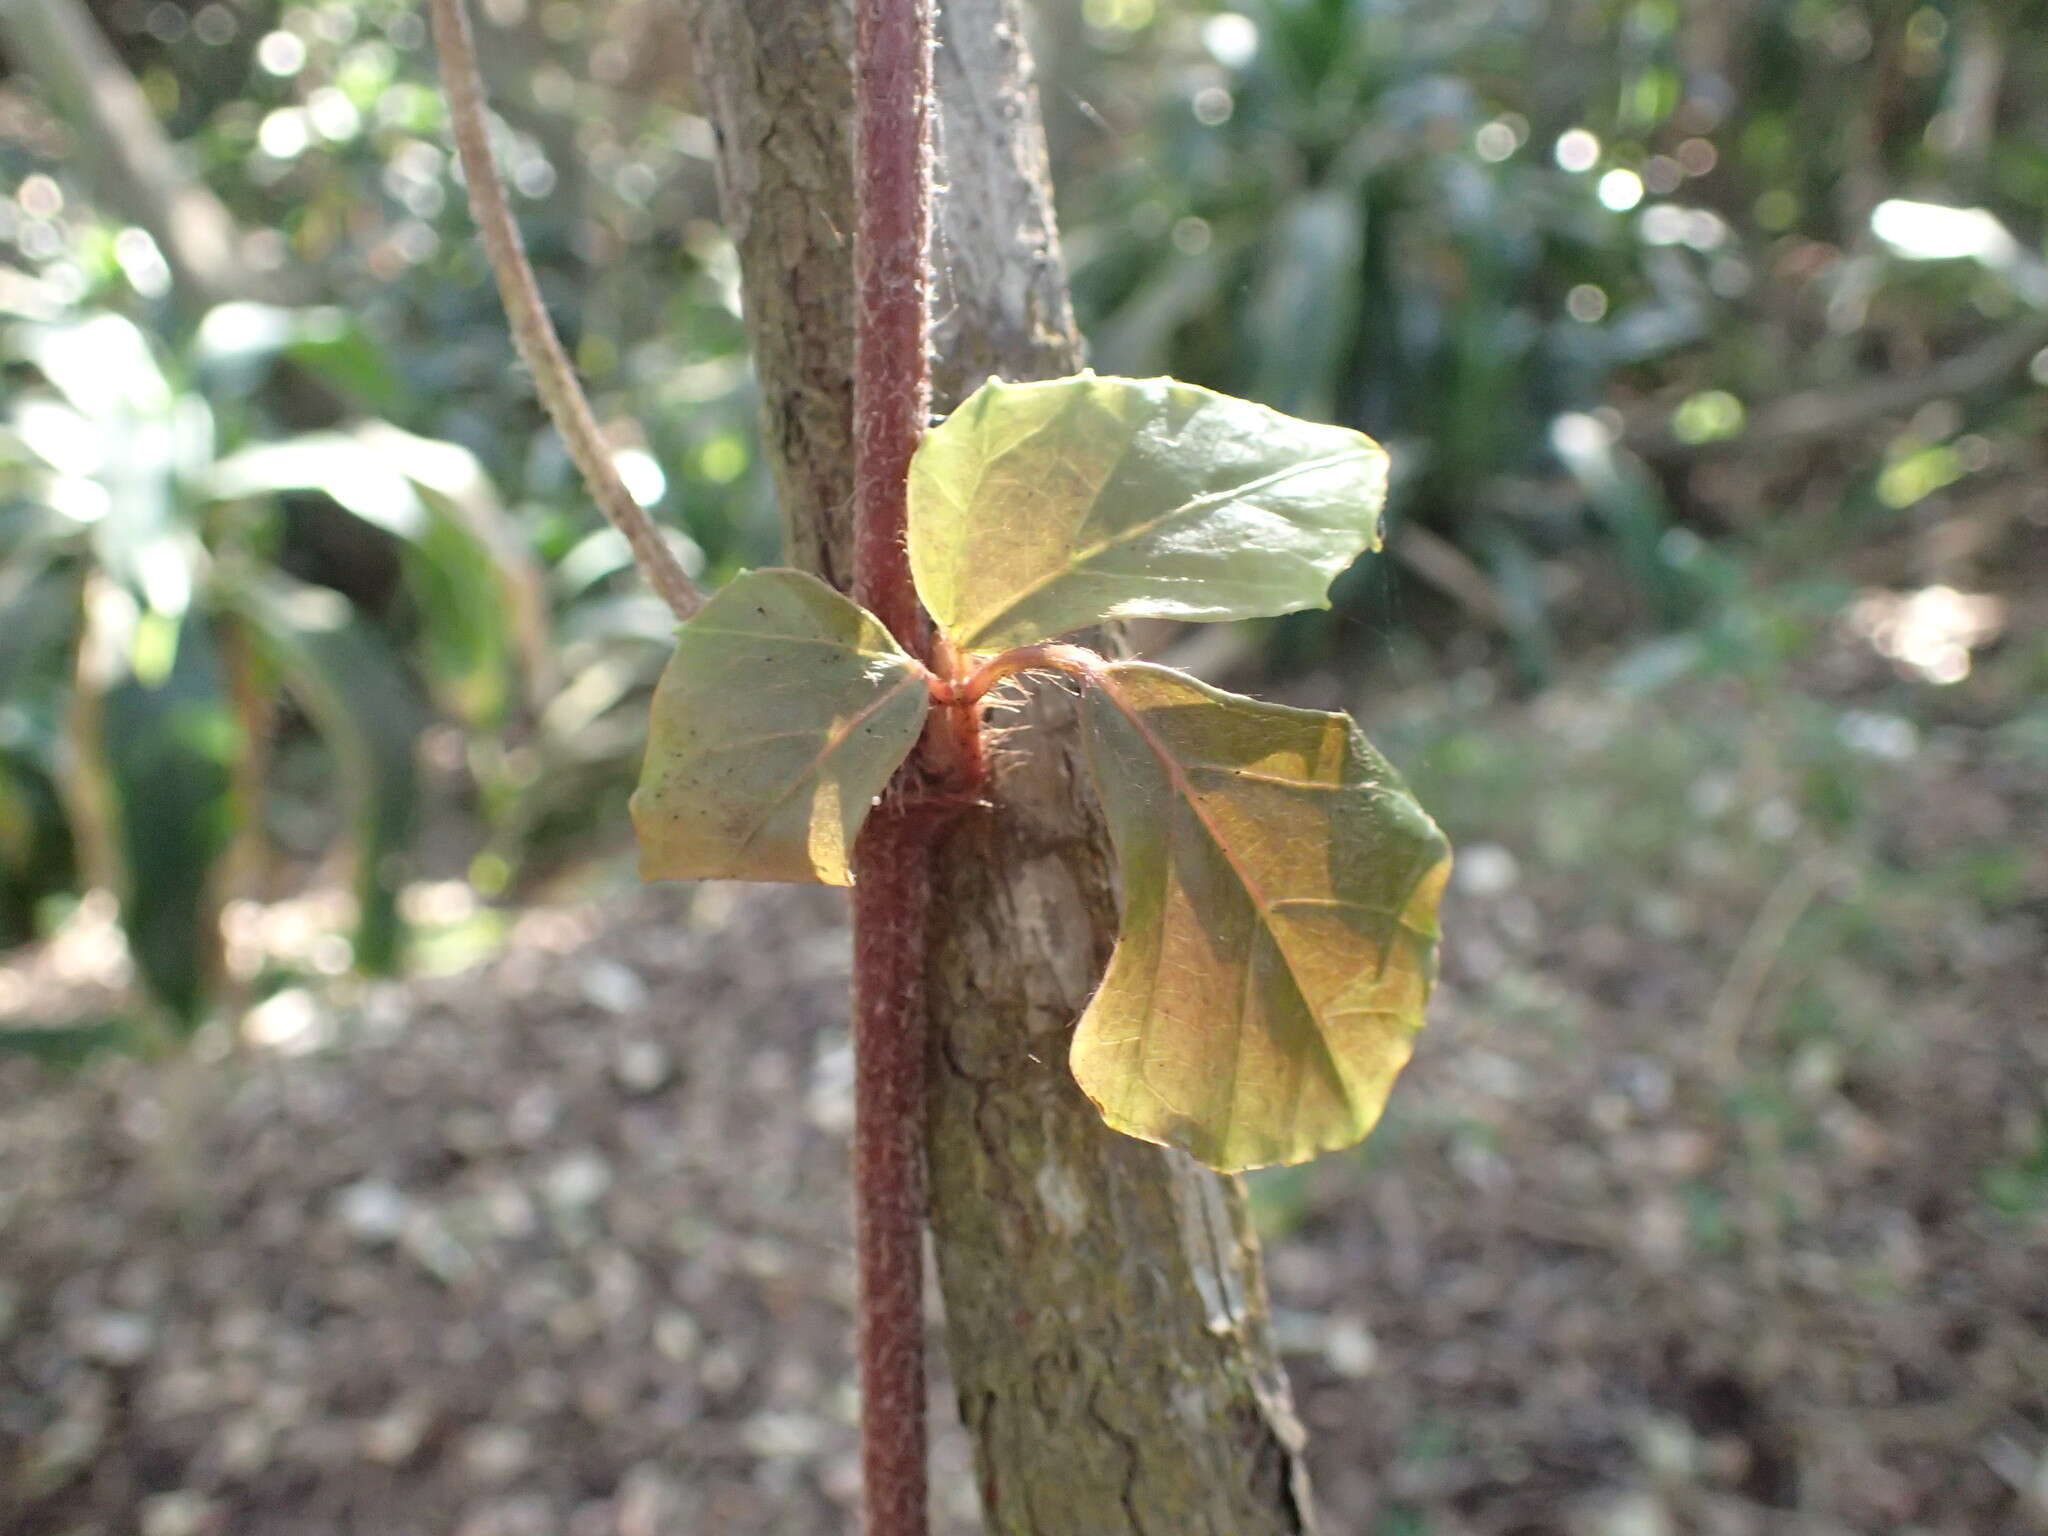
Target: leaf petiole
[1073,660]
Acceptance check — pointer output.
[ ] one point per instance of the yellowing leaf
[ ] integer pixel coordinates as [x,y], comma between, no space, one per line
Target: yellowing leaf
[1036,509]
[1279,922]
[780,717]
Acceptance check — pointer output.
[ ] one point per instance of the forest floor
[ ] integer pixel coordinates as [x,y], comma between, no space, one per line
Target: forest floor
[1715,1201]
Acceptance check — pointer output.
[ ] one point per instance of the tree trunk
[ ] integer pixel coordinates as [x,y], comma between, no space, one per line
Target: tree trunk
[1106,1319]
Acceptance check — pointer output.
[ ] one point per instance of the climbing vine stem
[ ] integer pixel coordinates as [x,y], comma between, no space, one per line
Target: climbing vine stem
[891,396]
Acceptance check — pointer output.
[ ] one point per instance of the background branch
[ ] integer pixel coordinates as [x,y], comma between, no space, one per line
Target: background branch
[1816,415]
[554,377]
[126,155]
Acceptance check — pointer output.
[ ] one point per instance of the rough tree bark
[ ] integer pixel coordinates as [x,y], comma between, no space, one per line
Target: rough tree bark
[1106,1318]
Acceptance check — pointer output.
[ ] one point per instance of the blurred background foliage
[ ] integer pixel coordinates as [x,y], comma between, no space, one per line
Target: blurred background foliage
[1668,308]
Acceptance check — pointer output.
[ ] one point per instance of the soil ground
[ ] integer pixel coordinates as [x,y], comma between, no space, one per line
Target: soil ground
[1716,1200]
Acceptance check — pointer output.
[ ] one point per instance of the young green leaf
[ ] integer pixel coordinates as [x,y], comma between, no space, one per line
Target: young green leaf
[1036,509]
[1279,922]
[781,716]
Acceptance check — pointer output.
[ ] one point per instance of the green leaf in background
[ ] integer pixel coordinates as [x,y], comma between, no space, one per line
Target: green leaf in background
[1279,922]
[345,676]
[65,1046]
[480,591]
[473,582]
[39,594]
[118,444]
[1306,301]
[37,857]
[1036,509]
[158,751]
[238,344]
[780,717]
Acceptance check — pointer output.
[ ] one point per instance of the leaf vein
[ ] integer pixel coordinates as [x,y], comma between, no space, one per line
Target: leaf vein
[813,769]
[974,629]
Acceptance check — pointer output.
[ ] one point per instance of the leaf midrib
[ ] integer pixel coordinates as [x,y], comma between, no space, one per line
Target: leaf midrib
[974,630]
[1181,784]
[813,768]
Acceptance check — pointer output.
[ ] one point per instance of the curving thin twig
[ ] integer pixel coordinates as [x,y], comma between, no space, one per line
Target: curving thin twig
[554,377]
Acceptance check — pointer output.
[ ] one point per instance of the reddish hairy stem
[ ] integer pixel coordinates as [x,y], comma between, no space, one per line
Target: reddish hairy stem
[952,747]
[888,1140]
[892,383]
[891,395]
